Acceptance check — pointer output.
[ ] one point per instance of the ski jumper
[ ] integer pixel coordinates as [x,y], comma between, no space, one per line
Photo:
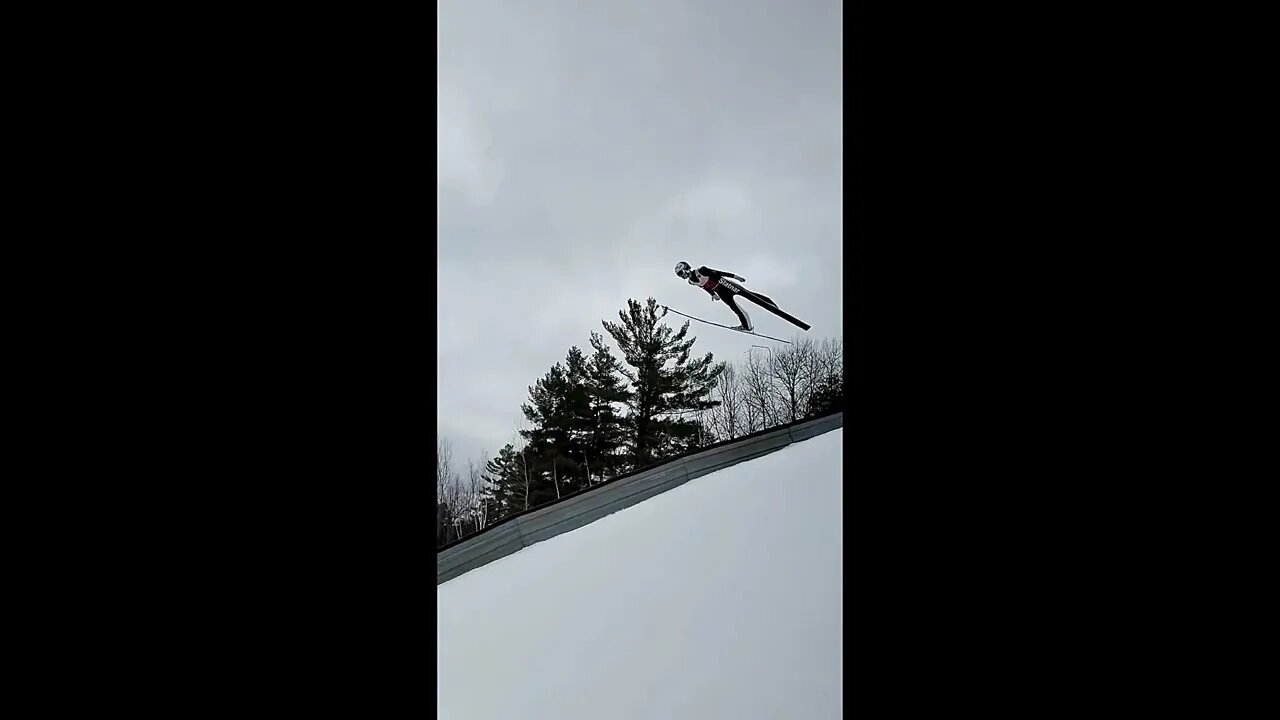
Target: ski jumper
[715,283]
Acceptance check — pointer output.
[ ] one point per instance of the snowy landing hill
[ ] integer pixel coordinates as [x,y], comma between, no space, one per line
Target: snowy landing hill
[721,598]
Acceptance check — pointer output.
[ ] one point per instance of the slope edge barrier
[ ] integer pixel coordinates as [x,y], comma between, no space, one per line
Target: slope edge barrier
[585,507]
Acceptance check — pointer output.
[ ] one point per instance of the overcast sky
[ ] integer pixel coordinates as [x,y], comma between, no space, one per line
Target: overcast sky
[583,148]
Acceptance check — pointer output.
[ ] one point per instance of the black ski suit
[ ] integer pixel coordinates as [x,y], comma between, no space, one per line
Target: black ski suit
[713,282]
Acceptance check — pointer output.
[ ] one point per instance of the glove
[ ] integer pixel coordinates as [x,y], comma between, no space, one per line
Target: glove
[739,278]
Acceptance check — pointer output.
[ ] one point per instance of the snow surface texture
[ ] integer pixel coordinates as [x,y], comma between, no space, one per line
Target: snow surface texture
[719,599]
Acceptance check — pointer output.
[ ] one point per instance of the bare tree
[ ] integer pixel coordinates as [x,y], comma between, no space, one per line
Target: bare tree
[464,503]
[789,370]
[444,456]
[760,393]
[527,482]
[555,476]
[448,493]
[728,418]
[479,497]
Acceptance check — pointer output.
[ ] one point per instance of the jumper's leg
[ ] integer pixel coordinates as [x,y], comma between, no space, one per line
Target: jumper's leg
[766,298]
[767,304]
[741,312]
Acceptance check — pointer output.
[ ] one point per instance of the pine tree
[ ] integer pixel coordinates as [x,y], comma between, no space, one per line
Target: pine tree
[508,483]
[661,390]
[559,409]
[606,434]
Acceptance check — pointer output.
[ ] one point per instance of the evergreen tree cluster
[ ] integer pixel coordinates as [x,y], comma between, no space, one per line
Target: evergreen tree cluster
[594,416]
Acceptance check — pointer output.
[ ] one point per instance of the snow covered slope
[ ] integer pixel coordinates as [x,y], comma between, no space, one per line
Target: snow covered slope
[721,598]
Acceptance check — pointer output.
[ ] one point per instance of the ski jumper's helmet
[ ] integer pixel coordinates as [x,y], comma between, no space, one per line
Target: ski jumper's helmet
[682,269]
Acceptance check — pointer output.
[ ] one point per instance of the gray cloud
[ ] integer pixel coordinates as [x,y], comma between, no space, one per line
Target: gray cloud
[584,148]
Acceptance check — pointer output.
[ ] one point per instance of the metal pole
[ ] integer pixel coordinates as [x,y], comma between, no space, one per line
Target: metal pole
[764,347]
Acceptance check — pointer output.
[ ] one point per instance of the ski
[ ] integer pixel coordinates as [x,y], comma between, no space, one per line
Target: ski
[745,293]
[726,327]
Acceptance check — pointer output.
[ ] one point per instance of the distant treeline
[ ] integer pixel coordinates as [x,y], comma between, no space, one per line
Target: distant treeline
[595,416]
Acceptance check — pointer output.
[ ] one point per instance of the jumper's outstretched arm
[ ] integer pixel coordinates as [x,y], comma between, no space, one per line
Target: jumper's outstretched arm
[717,274]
